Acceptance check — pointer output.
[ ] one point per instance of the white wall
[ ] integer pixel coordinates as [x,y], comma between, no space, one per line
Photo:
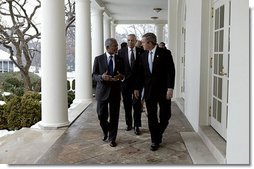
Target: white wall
[178,59]
[192,62]
[172,40]
[205,65]
[238,149]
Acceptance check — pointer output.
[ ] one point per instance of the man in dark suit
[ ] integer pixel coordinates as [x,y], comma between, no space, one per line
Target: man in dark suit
[131,59]
[157,75]
[107,72]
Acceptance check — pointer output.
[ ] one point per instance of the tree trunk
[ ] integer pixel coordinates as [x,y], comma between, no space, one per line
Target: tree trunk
[27,80]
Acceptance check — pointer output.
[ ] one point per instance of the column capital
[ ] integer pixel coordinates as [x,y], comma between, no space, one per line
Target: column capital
[113,22]
[97,11]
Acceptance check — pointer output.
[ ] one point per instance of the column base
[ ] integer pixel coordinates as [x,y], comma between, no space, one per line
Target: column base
[48,126]
[77,102]
[77,108]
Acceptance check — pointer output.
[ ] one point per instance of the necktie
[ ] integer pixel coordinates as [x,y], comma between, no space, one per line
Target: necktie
[150,61]
[132,58]
[110,66]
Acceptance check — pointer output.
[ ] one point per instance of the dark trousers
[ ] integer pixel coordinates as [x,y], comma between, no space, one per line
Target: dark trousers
[158,126]
[129,101]
[108,114]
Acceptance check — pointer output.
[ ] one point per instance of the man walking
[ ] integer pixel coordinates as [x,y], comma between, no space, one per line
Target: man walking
[131,59]
[157,75]
[107,71]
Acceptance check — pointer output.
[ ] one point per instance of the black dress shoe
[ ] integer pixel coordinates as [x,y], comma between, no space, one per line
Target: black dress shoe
[136,130]
[160,139]
[112,144]
[154,147]
[128,128]
[105,138]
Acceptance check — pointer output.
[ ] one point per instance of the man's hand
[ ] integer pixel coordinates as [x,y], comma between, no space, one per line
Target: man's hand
[136,94]
[169,94]
[119,76]
[106,77]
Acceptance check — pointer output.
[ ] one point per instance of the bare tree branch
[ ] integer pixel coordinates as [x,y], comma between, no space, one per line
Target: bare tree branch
[19,31]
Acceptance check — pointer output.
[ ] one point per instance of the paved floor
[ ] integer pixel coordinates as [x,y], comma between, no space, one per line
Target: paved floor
[81,143]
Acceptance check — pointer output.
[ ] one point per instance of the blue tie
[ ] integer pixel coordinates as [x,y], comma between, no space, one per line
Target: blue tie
[150,61]
[110,66]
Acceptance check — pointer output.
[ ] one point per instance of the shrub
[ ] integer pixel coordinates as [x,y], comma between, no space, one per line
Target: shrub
[23,111]
[71,97]
[73,84]
[37,86]
[12,80]
[3,121]
[12,113]
[1,96]
[30,109]
[68,85]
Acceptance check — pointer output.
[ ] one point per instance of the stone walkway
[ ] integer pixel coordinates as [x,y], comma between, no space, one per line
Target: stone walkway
[81,143]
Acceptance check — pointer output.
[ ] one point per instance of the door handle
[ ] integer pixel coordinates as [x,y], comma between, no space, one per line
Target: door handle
[223,73]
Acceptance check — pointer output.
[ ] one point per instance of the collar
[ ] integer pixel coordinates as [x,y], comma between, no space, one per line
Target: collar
[134,49]
[108,55]
[153,50]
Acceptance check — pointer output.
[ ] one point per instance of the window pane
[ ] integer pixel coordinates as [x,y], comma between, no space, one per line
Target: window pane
[1,66]
[214,107]
[229,39]
[215,86]
[5,66]
[221,37]
[216,19]
[219,112]
[228,63]
[10,66]
[216,64]
[216,41]
[220,62]
[222,16]
[220,88]
[229,12]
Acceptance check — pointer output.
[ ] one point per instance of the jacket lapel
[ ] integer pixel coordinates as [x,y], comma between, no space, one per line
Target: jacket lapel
[147,63]
[105,62]
[126,57]
[156,58]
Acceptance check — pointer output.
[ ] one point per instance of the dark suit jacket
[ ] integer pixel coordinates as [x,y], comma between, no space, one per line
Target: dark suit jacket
[104,89]
[130,74]
[162,77]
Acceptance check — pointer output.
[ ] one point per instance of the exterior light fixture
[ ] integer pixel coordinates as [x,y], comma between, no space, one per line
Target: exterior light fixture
[154,17]
[157,9]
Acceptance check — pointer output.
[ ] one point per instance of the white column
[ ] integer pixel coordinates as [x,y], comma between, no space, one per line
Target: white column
[238,131]
[83,82]
[192,59]
[97,32]
[172,26]
[107,27]
[53,61]
[159,32]
[113,29]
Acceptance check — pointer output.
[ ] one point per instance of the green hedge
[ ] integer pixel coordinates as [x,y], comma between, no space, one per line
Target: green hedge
[21,111]
[71,97]
[12,82]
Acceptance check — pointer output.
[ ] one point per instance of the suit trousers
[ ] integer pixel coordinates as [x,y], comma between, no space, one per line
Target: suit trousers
[129,101]
[108,114]
[158,126]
